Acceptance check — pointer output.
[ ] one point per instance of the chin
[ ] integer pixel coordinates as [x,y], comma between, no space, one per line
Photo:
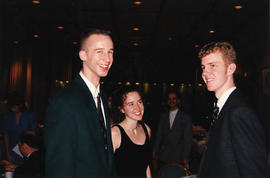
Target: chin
[104,74]
[209,88]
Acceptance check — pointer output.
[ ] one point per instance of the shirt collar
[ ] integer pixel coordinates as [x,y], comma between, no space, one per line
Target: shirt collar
[174,111]
[91,86]
[221,101]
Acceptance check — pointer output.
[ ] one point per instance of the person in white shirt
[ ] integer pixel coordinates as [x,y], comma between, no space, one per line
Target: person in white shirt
[174,135]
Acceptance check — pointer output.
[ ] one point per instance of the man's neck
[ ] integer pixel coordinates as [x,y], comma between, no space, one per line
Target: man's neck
[223,89]
[173,109]
[91,77]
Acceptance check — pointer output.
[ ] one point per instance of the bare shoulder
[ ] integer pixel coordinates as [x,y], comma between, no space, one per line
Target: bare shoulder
[148,129]
[116,137]
[115,131]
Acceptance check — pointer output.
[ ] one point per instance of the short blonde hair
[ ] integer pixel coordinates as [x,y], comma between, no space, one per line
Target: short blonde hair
[225,48]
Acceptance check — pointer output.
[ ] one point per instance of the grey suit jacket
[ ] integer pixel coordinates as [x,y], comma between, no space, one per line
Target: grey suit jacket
[73,135]
[173,144]
[236,146]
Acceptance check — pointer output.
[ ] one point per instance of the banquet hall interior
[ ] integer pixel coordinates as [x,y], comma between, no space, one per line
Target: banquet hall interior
[156,49]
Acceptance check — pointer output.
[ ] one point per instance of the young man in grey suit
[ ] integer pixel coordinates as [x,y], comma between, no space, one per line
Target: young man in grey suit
[174,134]
[77,131]
[236,145]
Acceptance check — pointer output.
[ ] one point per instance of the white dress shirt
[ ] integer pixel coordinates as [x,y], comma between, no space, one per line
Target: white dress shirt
[172,115]
[221,101]
[94,91]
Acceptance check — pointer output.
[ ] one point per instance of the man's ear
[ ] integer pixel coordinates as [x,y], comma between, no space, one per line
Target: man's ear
[82,55]
[231,68]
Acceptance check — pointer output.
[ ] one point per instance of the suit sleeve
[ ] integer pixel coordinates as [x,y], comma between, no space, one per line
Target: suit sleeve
[248,142]
[187,137]
[59,140]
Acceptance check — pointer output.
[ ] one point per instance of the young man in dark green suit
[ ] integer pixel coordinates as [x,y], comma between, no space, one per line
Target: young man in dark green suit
[77,134]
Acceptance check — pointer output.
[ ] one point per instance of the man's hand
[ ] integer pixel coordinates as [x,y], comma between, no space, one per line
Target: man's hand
[5,162]
[185,161]
[10,167]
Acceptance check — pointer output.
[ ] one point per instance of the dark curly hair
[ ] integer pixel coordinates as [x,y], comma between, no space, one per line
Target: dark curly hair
[118,99]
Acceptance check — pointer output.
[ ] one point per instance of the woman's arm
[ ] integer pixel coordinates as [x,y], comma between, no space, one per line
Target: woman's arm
[148,172]
[116,137]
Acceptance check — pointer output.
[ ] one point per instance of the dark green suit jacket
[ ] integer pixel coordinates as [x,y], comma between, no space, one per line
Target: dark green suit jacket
[73,135]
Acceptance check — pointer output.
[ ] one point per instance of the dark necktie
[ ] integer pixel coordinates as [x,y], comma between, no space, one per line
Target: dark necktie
[214,114]
[101,120]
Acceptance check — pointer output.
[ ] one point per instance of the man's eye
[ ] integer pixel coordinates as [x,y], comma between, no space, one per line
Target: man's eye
[130,104]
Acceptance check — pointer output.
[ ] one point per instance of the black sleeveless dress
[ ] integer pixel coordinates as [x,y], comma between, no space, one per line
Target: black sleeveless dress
[131,160]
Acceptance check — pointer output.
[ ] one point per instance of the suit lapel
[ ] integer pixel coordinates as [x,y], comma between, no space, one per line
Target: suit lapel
[108,128]
[93,120]
[167,121]
[176,119]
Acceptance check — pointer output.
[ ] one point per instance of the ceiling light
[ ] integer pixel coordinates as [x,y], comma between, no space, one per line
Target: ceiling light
[136,28]
[36,2]
[170,38]
[60,27]
[212,31]
[36,36]
[196,45]
[137,2]
[75,42]
[238,7]
[16,42]
[136,44]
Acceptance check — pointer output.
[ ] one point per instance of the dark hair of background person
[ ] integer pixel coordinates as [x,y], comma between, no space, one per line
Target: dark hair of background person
[119,96]
[91,31]
[16,99]
[31,138]
[172,91]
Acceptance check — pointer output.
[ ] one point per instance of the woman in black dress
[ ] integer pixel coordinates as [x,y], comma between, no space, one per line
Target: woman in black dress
[130,135]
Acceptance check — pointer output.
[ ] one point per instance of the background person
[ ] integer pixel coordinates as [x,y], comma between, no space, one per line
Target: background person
[33,166]
[15,122]
[174,135]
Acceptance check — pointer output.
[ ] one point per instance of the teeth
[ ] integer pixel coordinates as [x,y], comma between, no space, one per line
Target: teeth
[104,66]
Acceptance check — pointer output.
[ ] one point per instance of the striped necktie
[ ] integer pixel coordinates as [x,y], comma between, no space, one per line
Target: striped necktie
[102,122]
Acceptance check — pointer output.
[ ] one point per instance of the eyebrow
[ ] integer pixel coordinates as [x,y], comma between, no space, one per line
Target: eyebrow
[102,49]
